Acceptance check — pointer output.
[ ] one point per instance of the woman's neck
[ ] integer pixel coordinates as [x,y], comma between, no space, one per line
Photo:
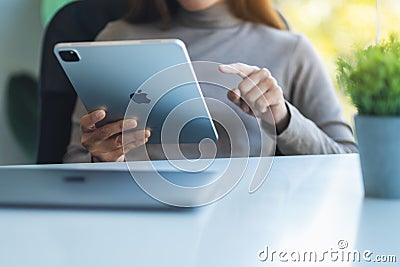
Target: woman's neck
[217,16]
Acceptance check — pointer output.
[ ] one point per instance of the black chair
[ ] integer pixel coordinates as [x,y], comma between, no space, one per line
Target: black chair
[22,110]
[77,21]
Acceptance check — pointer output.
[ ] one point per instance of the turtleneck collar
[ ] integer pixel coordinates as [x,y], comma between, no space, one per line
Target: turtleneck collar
[217,16]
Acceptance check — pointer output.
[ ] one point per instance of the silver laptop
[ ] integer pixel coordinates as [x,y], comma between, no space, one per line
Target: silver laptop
[103,185]
[89,185]
[184,183]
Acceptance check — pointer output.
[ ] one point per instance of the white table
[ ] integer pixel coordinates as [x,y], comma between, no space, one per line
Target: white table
[308,203]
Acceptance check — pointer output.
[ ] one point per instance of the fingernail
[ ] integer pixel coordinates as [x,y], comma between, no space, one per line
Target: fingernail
[237,92]
[146,140]
[130,123]
[100,114]
[225,67]
[147,133]
[121,158]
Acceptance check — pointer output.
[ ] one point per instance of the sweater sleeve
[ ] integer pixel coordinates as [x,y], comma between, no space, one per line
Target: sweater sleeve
[316,125]
[76,153]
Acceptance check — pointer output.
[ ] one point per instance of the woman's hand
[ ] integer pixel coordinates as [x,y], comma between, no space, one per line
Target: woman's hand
[257,93]
[105,143]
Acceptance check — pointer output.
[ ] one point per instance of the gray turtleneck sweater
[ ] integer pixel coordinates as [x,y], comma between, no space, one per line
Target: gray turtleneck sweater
[316,123]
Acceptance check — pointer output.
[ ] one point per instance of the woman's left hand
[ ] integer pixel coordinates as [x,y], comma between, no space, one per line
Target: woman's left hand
[257,93]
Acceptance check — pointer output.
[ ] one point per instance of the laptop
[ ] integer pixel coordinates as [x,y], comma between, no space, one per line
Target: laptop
[96,185]
[131,185]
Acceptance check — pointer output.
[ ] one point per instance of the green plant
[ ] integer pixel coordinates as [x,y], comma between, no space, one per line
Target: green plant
[372,78]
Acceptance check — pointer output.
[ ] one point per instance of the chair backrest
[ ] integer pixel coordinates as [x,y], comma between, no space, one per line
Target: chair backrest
[77,21]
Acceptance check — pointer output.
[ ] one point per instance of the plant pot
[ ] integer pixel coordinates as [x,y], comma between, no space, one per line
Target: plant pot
[379,146]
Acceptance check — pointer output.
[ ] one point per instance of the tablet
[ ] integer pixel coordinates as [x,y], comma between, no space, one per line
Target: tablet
[150,80]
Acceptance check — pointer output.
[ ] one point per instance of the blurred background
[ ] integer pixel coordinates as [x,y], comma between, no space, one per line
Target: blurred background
[334,26]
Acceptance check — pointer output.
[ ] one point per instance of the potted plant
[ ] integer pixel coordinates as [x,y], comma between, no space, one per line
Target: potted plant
[371,77]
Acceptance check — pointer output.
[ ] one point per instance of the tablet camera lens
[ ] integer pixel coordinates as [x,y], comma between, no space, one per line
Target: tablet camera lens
[69,56]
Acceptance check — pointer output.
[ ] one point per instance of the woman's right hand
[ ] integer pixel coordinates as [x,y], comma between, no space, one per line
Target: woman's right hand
[105,143]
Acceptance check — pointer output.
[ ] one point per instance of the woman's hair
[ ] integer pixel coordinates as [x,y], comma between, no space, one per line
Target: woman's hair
[258,11]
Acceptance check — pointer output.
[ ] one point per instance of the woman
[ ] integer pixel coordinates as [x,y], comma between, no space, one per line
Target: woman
[291,81]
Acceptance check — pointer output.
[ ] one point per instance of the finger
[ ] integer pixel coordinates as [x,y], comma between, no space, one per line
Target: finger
[253,79]
[147,134]
[111,144]
[129,124]
[135,144]
[257,91]
[117,142]
[234,96]
[112,156]
[88,122]
[269,99]
[243,70]
[262,104]
[119,154]
[131,146]
[111,129]
[245,107]
[275,96]
[121,158]
[130,137]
